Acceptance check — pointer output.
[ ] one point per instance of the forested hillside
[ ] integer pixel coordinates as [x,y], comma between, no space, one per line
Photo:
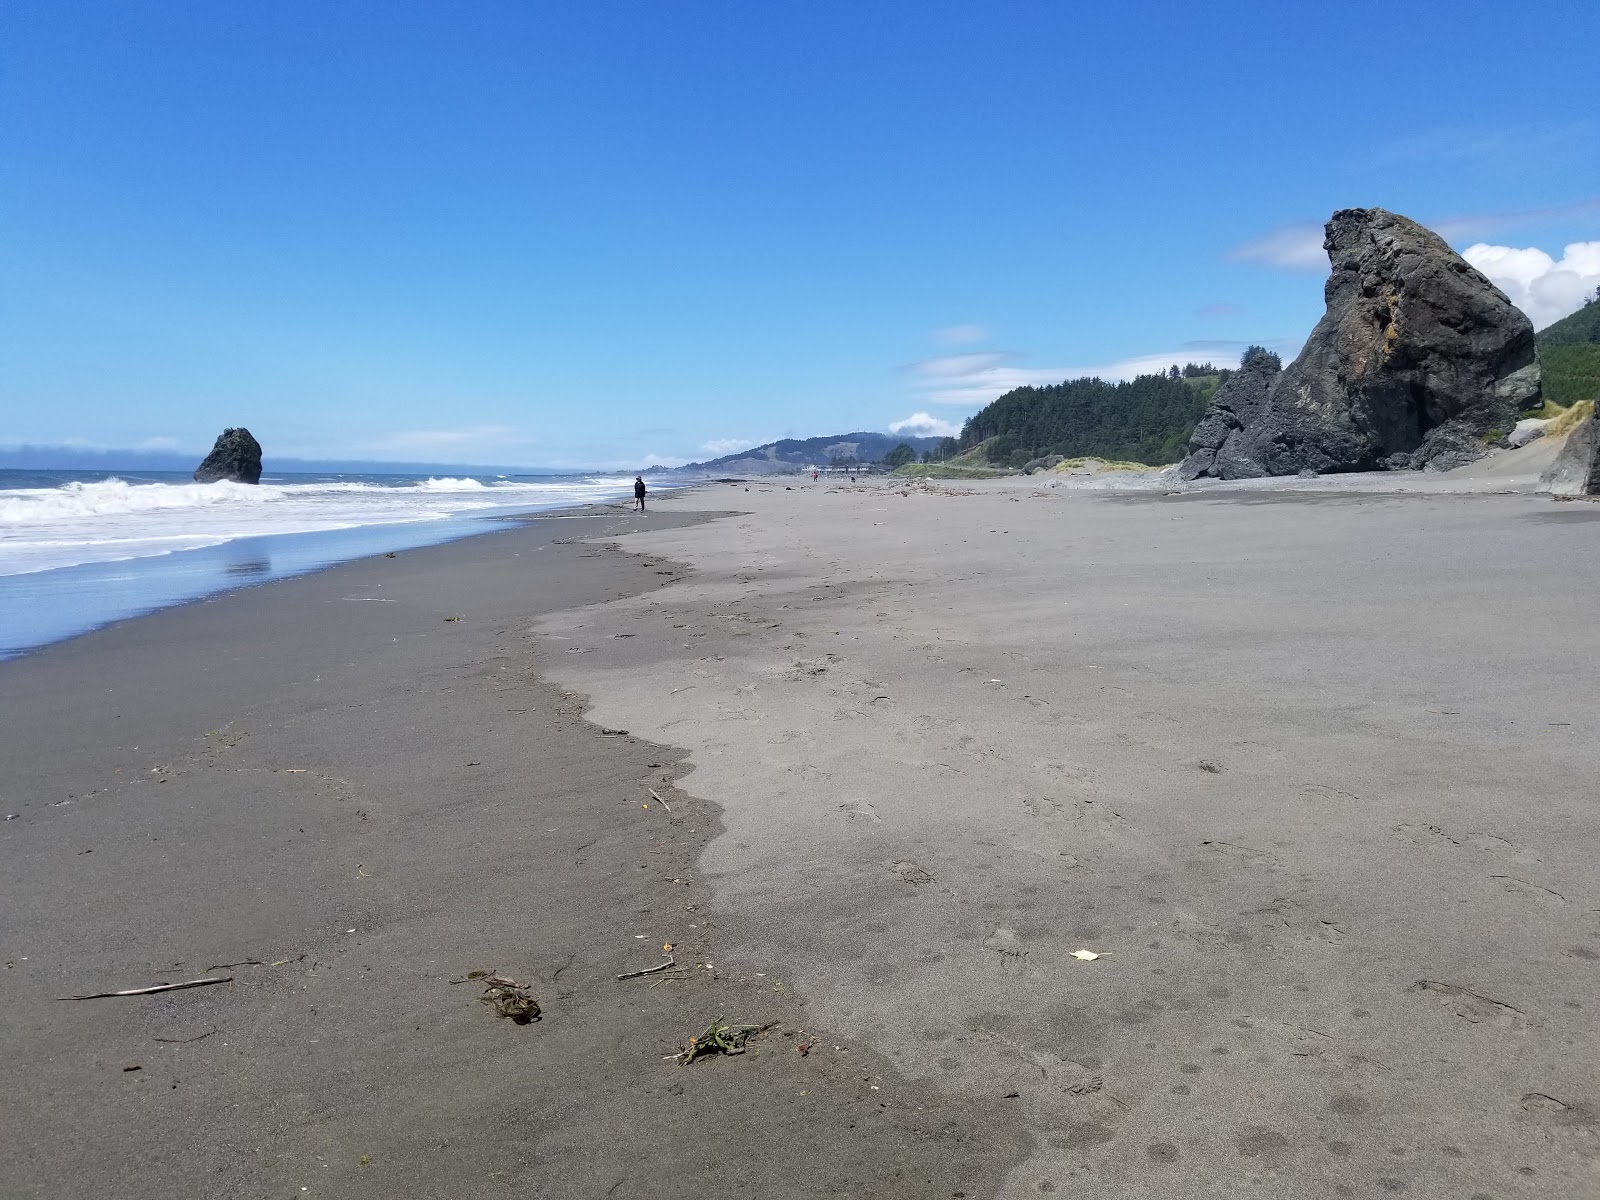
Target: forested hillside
[1569,352]
[1146,420]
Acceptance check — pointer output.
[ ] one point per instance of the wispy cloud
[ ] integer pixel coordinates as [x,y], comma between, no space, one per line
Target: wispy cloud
[1545,288]
[1484,144]
[720,446]
[498,440]
[961,335]
[959,366]
[158,443]
[921,424]
[972,380]
[1295,247]
[1482,225]
[1298,246]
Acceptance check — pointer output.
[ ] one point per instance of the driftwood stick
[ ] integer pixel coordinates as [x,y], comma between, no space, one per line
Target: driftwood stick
[649,970]
[659,800]
[186,1041]
[160,987]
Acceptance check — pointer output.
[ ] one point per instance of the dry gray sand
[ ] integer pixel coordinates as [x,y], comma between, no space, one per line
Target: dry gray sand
[1314,774]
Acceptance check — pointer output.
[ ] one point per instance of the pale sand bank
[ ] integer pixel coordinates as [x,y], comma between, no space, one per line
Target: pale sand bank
[1315,773]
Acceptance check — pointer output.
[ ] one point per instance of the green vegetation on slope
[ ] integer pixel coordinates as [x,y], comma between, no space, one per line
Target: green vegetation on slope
[1147,419]
[1569,353]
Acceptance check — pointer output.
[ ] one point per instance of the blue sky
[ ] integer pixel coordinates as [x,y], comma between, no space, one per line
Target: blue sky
[605,234]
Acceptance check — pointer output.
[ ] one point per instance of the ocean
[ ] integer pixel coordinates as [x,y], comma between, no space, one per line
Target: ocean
[81,549]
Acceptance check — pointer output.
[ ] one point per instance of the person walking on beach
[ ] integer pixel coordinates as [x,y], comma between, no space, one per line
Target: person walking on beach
[638,492]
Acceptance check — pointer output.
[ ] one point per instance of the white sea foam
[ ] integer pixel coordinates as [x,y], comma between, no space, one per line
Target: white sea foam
[45,528]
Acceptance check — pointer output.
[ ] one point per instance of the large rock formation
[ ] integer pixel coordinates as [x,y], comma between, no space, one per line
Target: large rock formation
[1416,359]
[236,457]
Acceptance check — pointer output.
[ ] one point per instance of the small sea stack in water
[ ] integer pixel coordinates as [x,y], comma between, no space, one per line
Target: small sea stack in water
[236,458]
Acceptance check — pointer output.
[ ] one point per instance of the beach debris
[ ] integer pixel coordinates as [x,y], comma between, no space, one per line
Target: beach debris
[649,970]
[1211,768]
[507,997]
[604,732]
[243,962]
[135,1067]
[147,991]
[719,1038]
[1085,955]
[449,620]
[659,800]
[186,1041]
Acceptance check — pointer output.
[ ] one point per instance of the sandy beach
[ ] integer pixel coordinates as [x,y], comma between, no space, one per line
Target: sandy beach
[345,791]
[1311,773]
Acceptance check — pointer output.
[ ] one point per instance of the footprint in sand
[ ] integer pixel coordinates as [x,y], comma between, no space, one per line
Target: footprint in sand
[859,812]
[910,872]
[1472,1007]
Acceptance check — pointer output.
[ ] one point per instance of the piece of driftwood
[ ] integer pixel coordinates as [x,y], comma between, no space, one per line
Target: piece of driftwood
[649,970]
[659,800]
[186,1041]
[146,991]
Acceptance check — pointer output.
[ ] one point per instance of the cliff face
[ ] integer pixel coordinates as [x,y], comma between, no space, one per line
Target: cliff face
[1417,356]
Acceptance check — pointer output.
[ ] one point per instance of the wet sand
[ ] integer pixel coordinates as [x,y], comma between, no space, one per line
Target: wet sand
[345,791]
[1314,773]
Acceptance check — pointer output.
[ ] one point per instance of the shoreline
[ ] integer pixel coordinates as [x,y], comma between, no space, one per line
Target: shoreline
[41,608]
[345,807]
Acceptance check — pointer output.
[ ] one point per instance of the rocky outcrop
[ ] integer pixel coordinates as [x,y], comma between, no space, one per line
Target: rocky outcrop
[235,457]
[1237,405]
[1417,358]
[1576,470]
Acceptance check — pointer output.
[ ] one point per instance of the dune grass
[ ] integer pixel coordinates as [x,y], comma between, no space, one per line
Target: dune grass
[1569,419]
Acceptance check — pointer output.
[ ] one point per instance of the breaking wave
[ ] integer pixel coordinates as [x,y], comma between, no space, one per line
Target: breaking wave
[111,519]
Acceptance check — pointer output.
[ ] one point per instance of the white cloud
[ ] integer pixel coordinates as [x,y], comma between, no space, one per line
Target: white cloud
[1296,247]
[158,443]
[921,424]
[721,446]
[1544,288]
[961,335]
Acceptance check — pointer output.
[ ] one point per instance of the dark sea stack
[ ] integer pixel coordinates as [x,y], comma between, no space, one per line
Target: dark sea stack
[236,457]
[1417,358]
